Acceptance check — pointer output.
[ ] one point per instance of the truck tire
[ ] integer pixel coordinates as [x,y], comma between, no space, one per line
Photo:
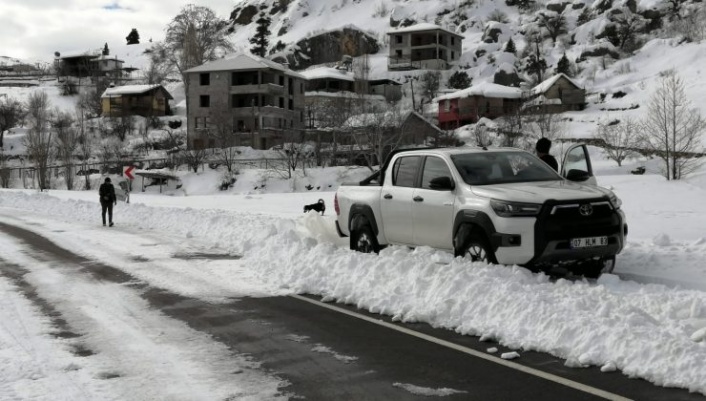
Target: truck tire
[478,249]
[605,265]
[363,240]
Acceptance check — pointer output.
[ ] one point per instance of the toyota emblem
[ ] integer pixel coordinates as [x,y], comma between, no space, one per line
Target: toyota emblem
[586,209]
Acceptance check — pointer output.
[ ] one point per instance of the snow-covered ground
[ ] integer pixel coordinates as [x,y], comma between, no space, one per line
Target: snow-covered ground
[648,320]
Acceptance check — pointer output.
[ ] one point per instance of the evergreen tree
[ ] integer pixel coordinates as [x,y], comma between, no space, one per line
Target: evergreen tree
[133,38]
[536,66]
[510,46]
[564,66]
[260,40]
[459,80]
[106,51]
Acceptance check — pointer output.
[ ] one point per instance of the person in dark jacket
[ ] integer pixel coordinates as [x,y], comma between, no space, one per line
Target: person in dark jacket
[108,199]
[542,147]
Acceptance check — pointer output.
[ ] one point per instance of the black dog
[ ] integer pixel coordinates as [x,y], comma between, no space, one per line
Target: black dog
[319,206]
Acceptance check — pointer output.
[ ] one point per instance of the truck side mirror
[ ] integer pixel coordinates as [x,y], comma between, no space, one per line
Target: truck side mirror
[577,175]
[442,184]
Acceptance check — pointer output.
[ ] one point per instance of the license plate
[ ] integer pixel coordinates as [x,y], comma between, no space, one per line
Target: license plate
[589,242]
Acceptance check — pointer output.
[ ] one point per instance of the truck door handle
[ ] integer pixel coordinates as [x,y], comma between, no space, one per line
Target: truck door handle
[418,199]
[387,196]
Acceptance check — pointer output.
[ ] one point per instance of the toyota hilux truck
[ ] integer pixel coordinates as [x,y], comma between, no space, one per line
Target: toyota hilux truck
[497,205]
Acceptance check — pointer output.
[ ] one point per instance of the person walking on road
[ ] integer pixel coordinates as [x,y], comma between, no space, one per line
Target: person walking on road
[542,147]
[108,199]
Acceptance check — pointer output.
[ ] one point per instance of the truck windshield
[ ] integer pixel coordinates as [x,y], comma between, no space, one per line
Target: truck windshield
[502,168]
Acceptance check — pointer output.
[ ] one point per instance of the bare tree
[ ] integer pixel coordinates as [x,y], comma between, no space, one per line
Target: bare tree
[377,132]
[196,35]
[194,158]
[66,142]
[122,126]
[628,24]
[510,127]
[553,22]
[430,82]
[12,113]
[673,128]
[4,171]
[38,140]
[620,139]
[221,129]
[545,124]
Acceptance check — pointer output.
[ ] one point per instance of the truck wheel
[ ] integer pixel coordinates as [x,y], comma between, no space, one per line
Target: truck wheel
[479,250]
[363,240]
[605,265]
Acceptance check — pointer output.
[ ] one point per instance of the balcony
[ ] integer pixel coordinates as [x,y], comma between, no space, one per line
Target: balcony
[266,89]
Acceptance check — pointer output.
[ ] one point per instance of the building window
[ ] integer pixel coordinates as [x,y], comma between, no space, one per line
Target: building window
[291,104]
[398,53]
[204,101]
[453,55]
[205,79]
[291,86]
[398,38]
[453,41]
[447,105]
[202,122]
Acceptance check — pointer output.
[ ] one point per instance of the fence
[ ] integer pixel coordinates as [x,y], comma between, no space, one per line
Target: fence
[28,174]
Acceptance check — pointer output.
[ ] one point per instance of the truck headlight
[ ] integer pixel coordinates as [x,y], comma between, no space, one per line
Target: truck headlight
[615,201]
[514,209]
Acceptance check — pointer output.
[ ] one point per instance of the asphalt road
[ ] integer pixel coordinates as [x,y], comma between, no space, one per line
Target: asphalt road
[336,352]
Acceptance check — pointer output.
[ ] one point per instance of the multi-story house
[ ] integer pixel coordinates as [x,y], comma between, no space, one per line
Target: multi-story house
[483,100]
[142,100]
[423,46]
[257,100]
[330,89]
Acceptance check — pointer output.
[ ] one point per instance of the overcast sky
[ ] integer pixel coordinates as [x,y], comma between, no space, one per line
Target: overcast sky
[33,30]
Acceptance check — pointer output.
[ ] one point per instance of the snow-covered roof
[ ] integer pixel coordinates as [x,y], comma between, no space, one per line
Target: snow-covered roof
[242,62]
[85,53]
[546,84]
[119,91]
[328,72]
[424,26]
[107,58]
[485,89]
[426,120]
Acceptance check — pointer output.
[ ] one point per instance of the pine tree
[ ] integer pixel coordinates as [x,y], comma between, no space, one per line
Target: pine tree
[133,38]
[106,51]
[563,66]
[260,40]
[459,80]
[510,46]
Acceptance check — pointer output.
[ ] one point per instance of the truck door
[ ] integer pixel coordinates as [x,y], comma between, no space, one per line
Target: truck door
[396,200]
[576,165]
[433,205]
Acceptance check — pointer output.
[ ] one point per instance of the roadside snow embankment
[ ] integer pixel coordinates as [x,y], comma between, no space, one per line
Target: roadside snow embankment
[647,331]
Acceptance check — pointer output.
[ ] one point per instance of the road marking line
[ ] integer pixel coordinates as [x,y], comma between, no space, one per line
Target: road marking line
[513,365]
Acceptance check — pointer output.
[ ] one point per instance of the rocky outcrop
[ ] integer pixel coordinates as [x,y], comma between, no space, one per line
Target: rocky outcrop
[244,16]
[330,47]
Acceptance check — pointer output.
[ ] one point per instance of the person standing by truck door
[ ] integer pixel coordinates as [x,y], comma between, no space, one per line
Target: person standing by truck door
[542,147]
[107,199]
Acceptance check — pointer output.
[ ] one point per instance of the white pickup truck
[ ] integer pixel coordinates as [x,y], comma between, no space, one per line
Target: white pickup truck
[499,205]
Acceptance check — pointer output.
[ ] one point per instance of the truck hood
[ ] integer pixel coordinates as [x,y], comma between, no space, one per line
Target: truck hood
[539,192]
